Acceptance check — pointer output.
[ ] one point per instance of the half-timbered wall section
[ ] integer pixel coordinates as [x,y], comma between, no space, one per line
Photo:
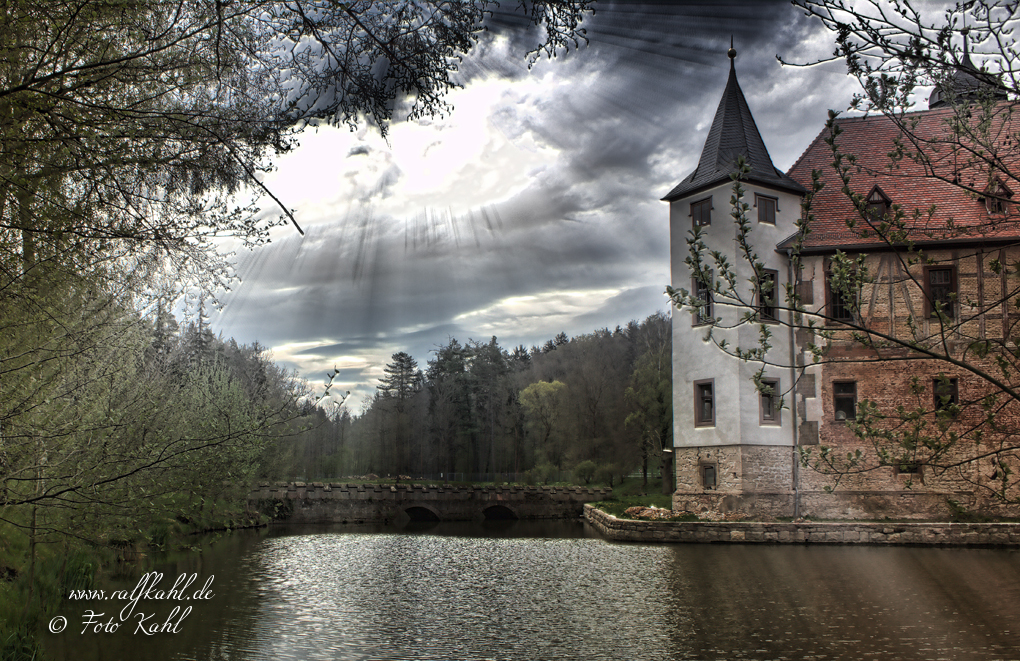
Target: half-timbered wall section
[936,272]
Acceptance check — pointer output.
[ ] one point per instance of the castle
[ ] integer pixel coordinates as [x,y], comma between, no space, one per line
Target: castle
[785,434]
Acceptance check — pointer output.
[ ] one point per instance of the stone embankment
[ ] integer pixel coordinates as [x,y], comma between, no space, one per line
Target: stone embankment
[843,532]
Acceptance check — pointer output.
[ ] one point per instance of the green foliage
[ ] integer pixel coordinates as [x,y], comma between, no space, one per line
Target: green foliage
[544,473]
[651,392]
[19,644]
[605,474]
[585,471]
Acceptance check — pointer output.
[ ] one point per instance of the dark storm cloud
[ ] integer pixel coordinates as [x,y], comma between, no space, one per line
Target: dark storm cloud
[627,119]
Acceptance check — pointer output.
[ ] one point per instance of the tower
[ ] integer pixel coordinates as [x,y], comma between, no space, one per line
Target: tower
[734,447]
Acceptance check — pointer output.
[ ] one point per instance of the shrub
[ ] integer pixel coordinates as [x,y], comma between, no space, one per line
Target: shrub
[585,471]
[605,475]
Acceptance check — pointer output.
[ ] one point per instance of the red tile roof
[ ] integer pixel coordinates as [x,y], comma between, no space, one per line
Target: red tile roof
[959,216]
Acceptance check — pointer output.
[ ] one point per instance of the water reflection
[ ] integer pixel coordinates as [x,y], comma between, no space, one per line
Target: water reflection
[554,590]
[848,602]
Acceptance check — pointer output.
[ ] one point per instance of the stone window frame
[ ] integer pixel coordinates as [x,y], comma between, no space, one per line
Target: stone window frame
[703,471]
[704,208]
[763,306]
[703,316]
[699,420]
[912,470]
[770,204]
[776,418]
[954,288]
[836,397]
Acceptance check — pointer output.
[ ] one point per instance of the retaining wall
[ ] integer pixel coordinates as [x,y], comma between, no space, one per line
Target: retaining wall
[848,532]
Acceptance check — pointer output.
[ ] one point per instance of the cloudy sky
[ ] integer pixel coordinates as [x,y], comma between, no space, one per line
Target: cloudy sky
[533,208]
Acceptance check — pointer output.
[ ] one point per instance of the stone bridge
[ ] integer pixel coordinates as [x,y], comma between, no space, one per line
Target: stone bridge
[318,502]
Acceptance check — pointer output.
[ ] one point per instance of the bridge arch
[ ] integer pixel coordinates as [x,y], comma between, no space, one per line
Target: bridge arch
[499,513]
[419,513]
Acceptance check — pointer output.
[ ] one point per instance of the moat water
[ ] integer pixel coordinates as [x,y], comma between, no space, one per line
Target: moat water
[550,590]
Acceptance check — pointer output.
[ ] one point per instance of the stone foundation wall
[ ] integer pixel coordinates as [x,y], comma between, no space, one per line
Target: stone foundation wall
[742,532]
[748,506]
[767,468]
[738,468]
[689,463]
[919,505]
[755,482]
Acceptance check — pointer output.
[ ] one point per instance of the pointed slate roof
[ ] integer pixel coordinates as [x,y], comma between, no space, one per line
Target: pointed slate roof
[964,85]
[733,132]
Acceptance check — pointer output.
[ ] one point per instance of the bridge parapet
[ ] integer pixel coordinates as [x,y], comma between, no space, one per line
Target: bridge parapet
[309,502]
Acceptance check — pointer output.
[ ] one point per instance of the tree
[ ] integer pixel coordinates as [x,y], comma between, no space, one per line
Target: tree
[123,121]
[402,381]
[403,378]
[543,402]
[651,396]
[959,161]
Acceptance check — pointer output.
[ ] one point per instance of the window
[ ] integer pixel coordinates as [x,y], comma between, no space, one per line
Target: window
[708,480]
[701,212]
[769,413]
[844,400]
[908,468]
[767,207]
[996,205]
[703,291]
[841,305]
[704,403]
[767,295]
[946,393]
[941,290]
[878,203]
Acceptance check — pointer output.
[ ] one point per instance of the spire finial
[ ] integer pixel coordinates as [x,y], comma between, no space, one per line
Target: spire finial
[732,52]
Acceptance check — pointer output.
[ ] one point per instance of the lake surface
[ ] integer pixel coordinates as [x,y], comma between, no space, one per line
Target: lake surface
[556,590]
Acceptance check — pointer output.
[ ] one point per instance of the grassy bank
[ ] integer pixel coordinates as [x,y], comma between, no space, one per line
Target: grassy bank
[634,493]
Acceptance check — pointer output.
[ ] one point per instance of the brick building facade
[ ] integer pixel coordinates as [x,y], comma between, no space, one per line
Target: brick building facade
[921,263]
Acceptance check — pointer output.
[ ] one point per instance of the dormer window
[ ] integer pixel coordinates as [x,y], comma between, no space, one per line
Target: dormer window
[997,197]
[878,203]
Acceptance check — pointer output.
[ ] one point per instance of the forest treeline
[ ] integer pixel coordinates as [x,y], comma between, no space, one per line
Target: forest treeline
[597,406]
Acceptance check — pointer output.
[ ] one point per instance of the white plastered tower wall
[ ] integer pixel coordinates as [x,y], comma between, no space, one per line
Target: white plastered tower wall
[746,455]
[739,461]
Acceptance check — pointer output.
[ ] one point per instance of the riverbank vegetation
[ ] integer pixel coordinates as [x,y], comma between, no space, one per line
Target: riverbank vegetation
[133,436]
